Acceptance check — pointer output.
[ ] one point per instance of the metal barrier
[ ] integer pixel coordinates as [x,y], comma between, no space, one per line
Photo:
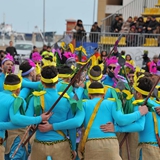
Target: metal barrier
[134,8]
[106,40]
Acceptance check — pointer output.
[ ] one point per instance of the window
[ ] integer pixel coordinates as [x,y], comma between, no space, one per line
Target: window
[23,47]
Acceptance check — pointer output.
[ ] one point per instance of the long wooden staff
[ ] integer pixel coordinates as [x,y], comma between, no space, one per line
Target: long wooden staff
[50,110]
[144,103]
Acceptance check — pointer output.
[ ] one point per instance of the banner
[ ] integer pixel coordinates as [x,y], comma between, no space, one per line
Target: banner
[137,52]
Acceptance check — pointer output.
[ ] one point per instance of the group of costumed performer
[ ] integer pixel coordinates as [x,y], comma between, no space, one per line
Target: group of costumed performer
[103,107]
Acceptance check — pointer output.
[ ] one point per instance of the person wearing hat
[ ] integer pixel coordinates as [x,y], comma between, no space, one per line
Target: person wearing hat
[146,60]
[152,27]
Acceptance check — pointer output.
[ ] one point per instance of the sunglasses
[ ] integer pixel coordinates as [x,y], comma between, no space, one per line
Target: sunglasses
[110,67]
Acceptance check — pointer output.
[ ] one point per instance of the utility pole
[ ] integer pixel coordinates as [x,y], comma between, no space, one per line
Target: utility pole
[44,20]
[94,5]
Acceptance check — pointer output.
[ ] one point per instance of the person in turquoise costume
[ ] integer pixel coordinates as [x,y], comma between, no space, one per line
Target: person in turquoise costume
[147,127]
[7,68]
[52,143]
[65,75]
[112,72]
[94,75]
[96,93]
[12,106]
[29,74]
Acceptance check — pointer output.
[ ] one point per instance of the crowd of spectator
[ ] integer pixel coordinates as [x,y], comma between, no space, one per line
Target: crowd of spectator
[136,24]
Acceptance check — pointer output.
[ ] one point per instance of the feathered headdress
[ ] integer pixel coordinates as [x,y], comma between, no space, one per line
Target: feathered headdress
[69,55]
[112,60]
[36,57]
[8,57]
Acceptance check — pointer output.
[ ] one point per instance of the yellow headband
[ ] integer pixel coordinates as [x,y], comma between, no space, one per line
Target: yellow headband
[65,75]
[12,87]
[141,91]
[16,86]
[95,78]
[96,91]
[52,80]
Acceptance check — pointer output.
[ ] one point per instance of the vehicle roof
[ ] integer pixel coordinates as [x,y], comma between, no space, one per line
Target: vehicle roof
[24,43]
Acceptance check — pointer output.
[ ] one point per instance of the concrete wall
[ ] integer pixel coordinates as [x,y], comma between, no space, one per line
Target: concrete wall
[101,10]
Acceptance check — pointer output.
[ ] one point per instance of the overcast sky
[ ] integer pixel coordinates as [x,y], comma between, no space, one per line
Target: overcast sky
[25,14]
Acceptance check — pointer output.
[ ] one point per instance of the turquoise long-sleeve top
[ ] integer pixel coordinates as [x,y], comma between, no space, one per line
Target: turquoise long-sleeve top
[74,122]
[2,78]
[108,81]
[6,101]
[106,113]
[61,112]
[31,85]
[71,93]
[25,91]
[145,126]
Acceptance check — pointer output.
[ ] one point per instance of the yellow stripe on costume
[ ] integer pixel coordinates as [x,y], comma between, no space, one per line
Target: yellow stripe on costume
[111,99]
[42,102]
[36,93]
[65,95]
[155,122]
[137,101]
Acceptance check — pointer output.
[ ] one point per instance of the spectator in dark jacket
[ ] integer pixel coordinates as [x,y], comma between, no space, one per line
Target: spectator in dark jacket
[43,49]
[118,25]
[94,32]
[153,24]
[146,24]
[80,31]
[97,28]
[114,23]
[140,22]
[134,22]
[146,60]
[11,49]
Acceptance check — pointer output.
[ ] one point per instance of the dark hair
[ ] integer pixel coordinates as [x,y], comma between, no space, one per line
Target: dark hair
[145,84]
[102,53]
[123,52]
[129,56]
[48,47]
[12,79]
[65,70]
[96,85]
[34,47]
[25,66]
[49,72]
[131,72]
[95,71]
